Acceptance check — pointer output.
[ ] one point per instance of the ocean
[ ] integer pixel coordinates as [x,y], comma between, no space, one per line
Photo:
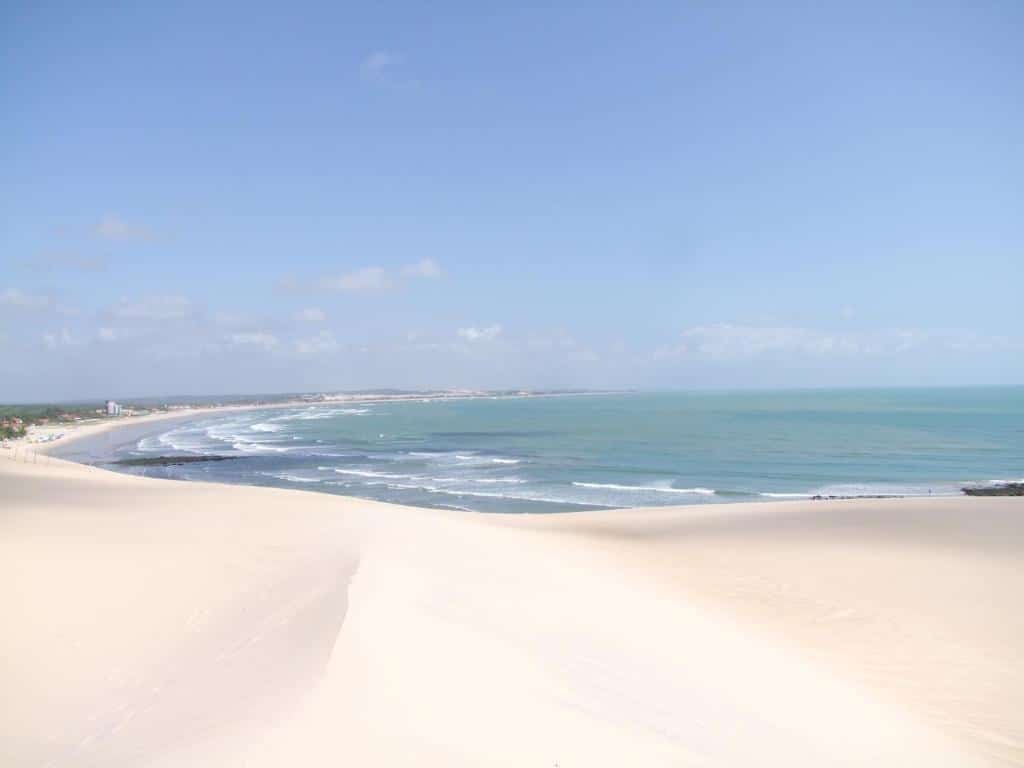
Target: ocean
[563,453]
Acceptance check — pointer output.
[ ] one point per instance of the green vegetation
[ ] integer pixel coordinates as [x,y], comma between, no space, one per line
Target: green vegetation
[15,419]
[8,431]
[35,414]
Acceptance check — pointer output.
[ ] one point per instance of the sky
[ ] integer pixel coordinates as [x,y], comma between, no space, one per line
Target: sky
[211,198]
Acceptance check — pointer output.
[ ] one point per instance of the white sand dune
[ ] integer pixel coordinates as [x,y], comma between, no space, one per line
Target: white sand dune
[163,623]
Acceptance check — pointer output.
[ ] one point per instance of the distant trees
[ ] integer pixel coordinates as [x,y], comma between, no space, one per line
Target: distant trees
[8,431]
[14,419]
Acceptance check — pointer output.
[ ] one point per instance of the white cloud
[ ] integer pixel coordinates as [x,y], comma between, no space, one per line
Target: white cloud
[20,300]
[671,351]
[109,333]
[15,298]
[112,227]
[377,64]
[292,284]
[322,343]
[556,339]
[732,342]
[229,320]
[726,342]
[473,334]
[422,268]
[372,279]
[153,308]
[365,280]
[311,315]
[258,338]
[59,262]
[563,344]
[62,338]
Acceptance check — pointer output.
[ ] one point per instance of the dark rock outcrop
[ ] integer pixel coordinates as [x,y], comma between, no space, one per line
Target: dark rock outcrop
[1006,489]
[166,461]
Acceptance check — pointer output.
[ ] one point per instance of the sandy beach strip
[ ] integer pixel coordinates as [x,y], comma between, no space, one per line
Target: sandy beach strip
[163,623]
[43,438]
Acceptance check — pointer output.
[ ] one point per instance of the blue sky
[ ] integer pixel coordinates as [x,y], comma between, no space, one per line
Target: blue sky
[202,199]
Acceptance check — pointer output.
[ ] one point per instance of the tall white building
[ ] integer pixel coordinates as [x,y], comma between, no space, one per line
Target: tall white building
[113,409]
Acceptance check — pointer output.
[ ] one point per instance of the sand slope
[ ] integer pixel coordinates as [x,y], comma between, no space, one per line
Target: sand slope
[153,622]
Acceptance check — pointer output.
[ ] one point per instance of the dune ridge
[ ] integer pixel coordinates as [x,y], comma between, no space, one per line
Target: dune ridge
[152,622]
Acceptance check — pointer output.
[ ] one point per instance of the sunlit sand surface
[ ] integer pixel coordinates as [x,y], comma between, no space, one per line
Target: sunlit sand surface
[164,623]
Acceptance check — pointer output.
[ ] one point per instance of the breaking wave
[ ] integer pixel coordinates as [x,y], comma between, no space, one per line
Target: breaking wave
[646,488]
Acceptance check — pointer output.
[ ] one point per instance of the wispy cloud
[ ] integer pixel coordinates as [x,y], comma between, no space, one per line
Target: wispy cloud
[376,66]
[423,268]
[257,338]
[323,343]
[473,334]
[365,280]
[311,315]
[737,342]
[725,342]
[12,297]
[232,320]
[64,262]
[112,227]
[562,343]
[19,300]
[153,308]
[61,338]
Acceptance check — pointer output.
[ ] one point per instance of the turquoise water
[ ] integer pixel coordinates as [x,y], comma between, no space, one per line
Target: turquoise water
[549,454]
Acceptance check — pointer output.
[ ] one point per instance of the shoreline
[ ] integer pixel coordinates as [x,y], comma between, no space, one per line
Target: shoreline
[885,629]
[856,632]
[75,431]
[107,426]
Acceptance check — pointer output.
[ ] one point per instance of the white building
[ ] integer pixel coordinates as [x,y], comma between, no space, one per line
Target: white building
[113,409]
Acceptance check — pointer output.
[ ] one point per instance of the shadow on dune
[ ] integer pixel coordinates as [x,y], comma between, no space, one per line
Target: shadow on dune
[245,667]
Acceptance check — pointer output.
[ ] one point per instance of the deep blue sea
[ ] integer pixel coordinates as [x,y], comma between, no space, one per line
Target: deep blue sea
[551,454]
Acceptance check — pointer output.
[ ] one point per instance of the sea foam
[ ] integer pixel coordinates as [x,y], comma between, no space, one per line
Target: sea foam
[646,488]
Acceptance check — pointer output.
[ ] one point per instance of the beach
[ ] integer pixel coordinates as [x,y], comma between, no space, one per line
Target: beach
[528,385]
[600,451]
[157,622]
